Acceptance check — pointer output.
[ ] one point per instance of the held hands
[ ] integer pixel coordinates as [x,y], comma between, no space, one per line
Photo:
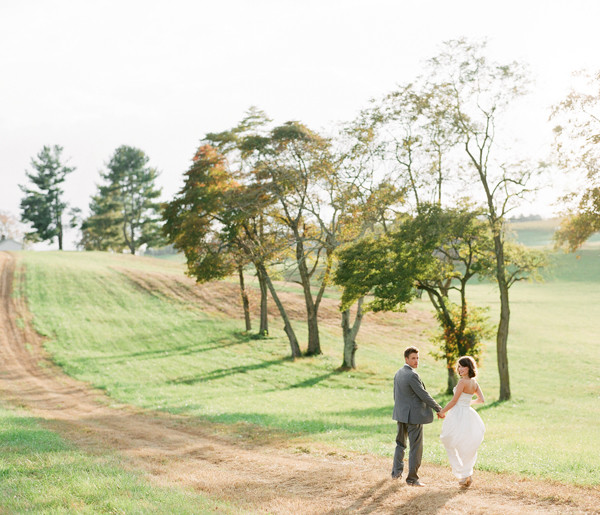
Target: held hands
[441,415]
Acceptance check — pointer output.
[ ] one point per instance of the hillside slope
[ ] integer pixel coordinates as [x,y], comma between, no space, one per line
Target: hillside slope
[259,470]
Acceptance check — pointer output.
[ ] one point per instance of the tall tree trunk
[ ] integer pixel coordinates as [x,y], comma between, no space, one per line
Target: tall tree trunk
[58,222]
[349,361]
[496,224]
[60,237]
[264,316]
[245,301]
[314,343]
[295,348]
[132,244]
[502,335]
[452,379]
[128,242]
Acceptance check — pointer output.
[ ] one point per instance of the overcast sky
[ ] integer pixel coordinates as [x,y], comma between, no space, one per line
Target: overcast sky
[96,74]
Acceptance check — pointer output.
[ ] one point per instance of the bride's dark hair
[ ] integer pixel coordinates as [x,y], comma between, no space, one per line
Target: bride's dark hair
[468,361]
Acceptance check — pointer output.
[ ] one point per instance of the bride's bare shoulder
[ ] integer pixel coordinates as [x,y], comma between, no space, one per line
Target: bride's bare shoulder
[462,383]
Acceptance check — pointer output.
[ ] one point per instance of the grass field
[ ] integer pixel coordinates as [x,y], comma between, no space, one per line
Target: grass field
[146,350]
[41,473]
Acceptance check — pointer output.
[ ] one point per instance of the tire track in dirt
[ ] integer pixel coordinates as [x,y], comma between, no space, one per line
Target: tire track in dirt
[257,470]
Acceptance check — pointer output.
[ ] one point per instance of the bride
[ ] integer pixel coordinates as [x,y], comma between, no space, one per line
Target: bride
[462,429]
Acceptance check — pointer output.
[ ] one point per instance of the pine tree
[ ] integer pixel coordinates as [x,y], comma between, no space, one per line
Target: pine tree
[125,212]
[43,206]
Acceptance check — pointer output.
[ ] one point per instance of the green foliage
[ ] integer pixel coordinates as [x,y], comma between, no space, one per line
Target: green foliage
[385,267]
[422,252]
[124,212]
[43,206]
[193,219]
[577,228]
[462,333]
[436,251]
[524,264]
[102,229]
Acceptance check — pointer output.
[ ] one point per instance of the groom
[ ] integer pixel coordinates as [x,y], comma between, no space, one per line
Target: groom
[412,409]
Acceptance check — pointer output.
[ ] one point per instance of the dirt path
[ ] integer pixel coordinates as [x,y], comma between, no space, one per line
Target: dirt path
[257,470]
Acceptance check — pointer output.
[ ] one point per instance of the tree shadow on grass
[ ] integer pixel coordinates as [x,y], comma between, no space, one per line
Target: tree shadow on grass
[379,411]
[235,338]
[490,405]
[311,381]
[225,372]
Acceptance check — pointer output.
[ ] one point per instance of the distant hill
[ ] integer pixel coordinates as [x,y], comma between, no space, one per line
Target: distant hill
[539,233]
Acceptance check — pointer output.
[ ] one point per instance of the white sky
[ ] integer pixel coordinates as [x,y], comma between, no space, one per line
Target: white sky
[158,74]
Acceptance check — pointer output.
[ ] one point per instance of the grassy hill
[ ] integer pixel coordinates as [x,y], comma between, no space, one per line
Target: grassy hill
[540,233]
[140,330]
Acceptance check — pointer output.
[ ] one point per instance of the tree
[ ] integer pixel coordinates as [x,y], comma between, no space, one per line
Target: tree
[475,91]
[577,147]
[464,249]
[191,217]
[43,206]
[256,226]
[289,162]
[359,201]
[215,220]
[125,212]
[191,223]
[436,251]
[417,139]
[102,229]
[314,200]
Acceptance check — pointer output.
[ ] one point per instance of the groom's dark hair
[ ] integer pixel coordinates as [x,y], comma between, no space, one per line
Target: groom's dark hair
[410,350]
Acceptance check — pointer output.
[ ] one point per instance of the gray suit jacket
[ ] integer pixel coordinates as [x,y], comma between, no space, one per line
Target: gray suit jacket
[412,403]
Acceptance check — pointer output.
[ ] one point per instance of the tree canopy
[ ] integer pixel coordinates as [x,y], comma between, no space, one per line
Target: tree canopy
[577,149]
[43,205]
[124,214]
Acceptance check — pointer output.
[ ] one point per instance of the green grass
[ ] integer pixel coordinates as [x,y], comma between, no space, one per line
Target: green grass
[157,354]
[41,473]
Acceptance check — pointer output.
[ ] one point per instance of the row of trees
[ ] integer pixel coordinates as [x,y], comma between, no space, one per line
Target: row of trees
[367,206]
[124,213]
[276,197]
[412,196]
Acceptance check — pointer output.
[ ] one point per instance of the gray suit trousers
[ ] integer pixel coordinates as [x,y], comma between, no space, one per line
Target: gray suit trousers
[414,432]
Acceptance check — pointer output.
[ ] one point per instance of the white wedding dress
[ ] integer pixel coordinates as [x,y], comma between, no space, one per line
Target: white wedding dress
[462,434]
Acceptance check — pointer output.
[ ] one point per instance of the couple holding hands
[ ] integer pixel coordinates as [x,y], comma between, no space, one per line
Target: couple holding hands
[462,429]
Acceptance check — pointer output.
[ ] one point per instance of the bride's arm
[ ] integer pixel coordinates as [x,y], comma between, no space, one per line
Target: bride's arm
[459,389]
[480,399]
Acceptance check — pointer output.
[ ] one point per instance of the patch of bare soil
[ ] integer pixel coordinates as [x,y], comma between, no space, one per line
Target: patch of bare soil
[257,470]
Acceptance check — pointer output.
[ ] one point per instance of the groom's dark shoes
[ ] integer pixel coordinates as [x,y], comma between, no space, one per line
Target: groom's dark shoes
[415,483]
[397,476]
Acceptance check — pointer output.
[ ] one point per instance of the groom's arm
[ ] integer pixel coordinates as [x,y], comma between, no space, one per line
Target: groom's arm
[417,387]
